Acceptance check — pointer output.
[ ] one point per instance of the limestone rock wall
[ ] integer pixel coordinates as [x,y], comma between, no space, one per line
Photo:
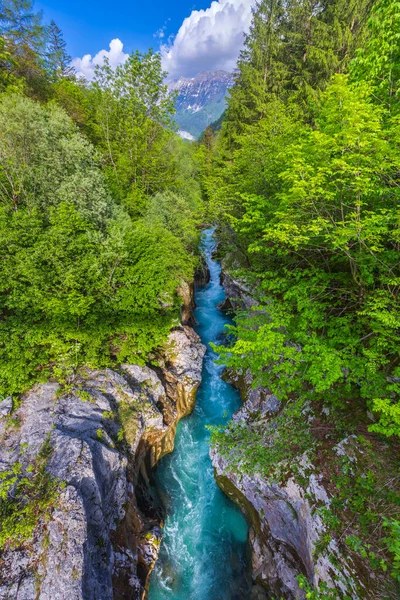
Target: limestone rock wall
[285,526]
[98,540]
[238,293]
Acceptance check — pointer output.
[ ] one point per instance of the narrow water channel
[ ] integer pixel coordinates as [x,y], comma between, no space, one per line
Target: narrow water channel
[204,553]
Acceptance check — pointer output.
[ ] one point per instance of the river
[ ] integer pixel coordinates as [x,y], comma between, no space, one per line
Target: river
[204,553]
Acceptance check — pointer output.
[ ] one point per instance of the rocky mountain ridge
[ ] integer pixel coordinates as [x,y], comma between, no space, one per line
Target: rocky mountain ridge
[200,101]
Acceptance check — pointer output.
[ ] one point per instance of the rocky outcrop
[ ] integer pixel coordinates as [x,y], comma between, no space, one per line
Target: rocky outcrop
[186,291]
[186,294]
[286,527]
[238,293]
[202,273]
[103,434]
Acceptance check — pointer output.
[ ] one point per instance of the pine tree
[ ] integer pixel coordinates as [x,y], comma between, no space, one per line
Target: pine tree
[259,72]
[56,57]
[292,50]
[23,33]
[20,25]
[208,138]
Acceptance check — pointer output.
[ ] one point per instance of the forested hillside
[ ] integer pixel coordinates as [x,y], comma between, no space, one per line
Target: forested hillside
[304,182]
[99,207]
[307,168]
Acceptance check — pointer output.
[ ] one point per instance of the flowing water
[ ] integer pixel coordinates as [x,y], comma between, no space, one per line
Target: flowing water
[204,552]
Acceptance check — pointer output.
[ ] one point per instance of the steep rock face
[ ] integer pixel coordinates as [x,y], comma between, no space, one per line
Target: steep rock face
[186,293]
[238,293]
[202,274]
[101,537]
[286,528]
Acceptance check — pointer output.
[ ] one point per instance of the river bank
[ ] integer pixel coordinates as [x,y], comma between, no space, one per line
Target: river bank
[313,485]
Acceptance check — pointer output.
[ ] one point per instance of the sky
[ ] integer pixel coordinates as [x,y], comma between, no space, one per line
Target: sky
[192,37]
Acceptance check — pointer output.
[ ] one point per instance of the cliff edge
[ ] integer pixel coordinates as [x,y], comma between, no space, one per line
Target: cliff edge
[75,477]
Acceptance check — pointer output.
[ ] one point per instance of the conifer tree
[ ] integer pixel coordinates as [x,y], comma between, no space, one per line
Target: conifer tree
[208,138]
[23,33]
[56,58]
[259,71]
[20,25]
[292,50]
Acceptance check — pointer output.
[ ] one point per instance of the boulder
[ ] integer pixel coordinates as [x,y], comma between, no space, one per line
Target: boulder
[6,407]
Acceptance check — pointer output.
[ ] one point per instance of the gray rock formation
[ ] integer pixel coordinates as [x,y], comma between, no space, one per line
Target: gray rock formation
[105,432]
[285,525]
[6,407]
[238,293]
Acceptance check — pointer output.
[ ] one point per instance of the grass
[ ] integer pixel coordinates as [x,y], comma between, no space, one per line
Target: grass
[26,497]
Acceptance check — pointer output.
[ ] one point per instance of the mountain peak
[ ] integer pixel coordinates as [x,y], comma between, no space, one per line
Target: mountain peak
[203,76]
[201,100]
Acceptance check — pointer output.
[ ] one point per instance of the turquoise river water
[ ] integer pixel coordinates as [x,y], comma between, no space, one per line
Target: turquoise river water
[204,552]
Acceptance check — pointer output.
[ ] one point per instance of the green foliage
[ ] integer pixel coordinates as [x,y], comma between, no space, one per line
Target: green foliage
[265,447]
[134,110]
[366,489]
[8,81]
[378,61]
[24,37]
[20,23]
[291,51]
[72,295]
[177,214]
[53,164]
[325,253]
[74,98]
[392,542]
[323,592]
[26,497]
[84,395]
[80,282]
[128,415]
[215,126]
[302,180]
[389,416]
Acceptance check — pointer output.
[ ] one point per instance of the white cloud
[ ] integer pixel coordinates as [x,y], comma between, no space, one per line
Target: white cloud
[208,39]
[185,135]
[84,67]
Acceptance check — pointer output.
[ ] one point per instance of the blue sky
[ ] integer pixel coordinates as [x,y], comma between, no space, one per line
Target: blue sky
[201,36]
[89,26]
